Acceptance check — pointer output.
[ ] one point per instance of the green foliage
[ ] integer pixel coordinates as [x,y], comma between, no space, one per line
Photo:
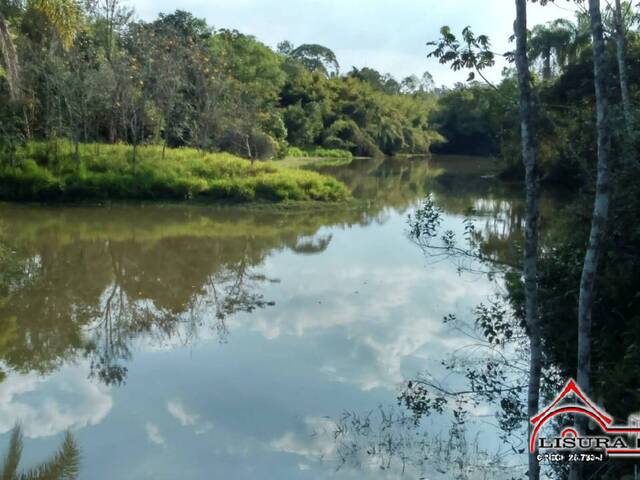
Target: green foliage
[249,62]
[177,82]
[616,311]
[470,52]
[482,119]
[319,152]
[477,119]
[316,58]
[552,42]
[384,83]
[183,174]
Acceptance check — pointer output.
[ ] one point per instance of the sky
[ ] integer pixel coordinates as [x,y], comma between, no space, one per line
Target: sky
[388,35]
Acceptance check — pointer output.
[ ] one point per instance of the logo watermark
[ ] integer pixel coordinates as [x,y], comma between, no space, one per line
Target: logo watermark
[607,439]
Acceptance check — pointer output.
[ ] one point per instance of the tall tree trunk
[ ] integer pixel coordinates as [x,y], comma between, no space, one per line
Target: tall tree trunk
[530,260]
[622,68]
[599,216]
[601,202]
[10,57]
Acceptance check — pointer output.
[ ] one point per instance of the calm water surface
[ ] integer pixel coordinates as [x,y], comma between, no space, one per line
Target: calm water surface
[196,342]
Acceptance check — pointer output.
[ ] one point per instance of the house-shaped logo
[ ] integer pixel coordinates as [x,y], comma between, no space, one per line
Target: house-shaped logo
[614,440]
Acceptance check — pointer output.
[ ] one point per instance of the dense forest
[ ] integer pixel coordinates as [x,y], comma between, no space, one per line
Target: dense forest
[481,118]
[92,73]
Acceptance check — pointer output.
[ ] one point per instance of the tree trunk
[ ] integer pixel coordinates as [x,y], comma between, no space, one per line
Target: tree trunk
[248,147]
[599,216]
[546,66]
[10,58]
[27,127]
[76,152]
[530,260]
[622,69]
[601,202]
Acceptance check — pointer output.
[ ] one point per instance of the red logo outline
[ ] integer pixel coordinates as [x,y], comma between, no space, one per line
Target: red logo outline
[599,416]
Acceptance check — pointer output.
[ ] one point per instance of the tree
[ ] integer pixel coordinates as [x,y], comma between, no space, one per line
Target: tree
[178,82]
[253,78]
[474,53]
[619,15]
[162,55]
[427,83]
[410,84]
[112,16]
[317,57]
[10,58]
[530,260]
[601,201]
[382,82]
[130,103]
[549,41]
[78,89]
[285,48]
[63,15]
[577,38]
[471,52]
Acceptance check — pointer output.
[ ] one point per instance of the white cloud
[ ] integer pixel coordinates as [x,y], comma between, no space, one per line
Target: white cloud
[65,400]
[153,434]
[386,322]
[186,419]
[176,409]
[314,443]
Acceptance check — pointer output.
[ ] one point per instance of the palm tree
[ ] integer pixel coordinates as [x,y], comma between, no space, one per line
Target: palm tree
[549,42]
[63,15]
[577,36]
[64,465]
[619,19]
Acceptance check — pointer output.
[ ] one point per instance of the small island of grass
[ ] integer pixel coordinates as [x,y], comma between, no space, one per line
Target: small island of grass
[96,172]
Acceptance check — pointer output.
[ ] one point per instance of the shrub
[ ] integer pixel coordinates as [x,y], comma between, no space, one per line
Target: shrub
[319,152]
[296,152]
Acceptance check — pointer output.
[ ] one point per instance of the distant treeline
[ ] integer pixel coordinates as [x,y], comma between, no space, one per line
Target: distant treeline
[90,72]
[477,118]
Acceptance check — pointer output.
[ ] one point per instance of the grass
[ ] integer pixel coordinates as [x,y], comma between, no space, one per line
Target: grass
[310,162]
[50,172]
[318,152]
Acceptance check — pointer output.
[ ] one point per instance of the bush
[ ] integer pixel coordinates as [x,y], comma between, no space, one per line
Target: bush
[319,152]
[296,152]
[330,153]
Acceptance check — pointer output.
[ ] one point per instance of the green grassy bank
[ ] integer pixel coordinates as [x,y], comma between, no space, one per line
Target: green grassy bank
[53,172]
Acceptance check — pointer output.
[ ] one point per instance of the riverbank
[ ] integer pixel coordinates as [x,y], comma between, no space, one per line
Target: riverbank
[56,172]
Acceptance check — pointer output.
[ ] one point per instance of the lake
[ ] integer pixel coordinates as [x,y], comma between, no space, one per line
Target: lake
[191,341]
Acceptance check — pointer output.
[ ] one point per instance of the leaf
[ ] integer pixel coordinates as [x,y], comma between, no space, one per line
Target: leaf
[11,461]
[65,465]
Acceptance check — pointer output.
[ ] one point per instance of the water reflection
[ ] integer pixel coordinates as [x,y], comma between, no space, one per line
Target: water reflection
[111,321]
[64,465]
[94,296]
[88,282]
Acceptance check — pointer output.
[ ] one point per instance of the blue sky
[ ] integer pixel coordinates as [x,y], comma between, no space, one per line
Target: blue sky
[388,35]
